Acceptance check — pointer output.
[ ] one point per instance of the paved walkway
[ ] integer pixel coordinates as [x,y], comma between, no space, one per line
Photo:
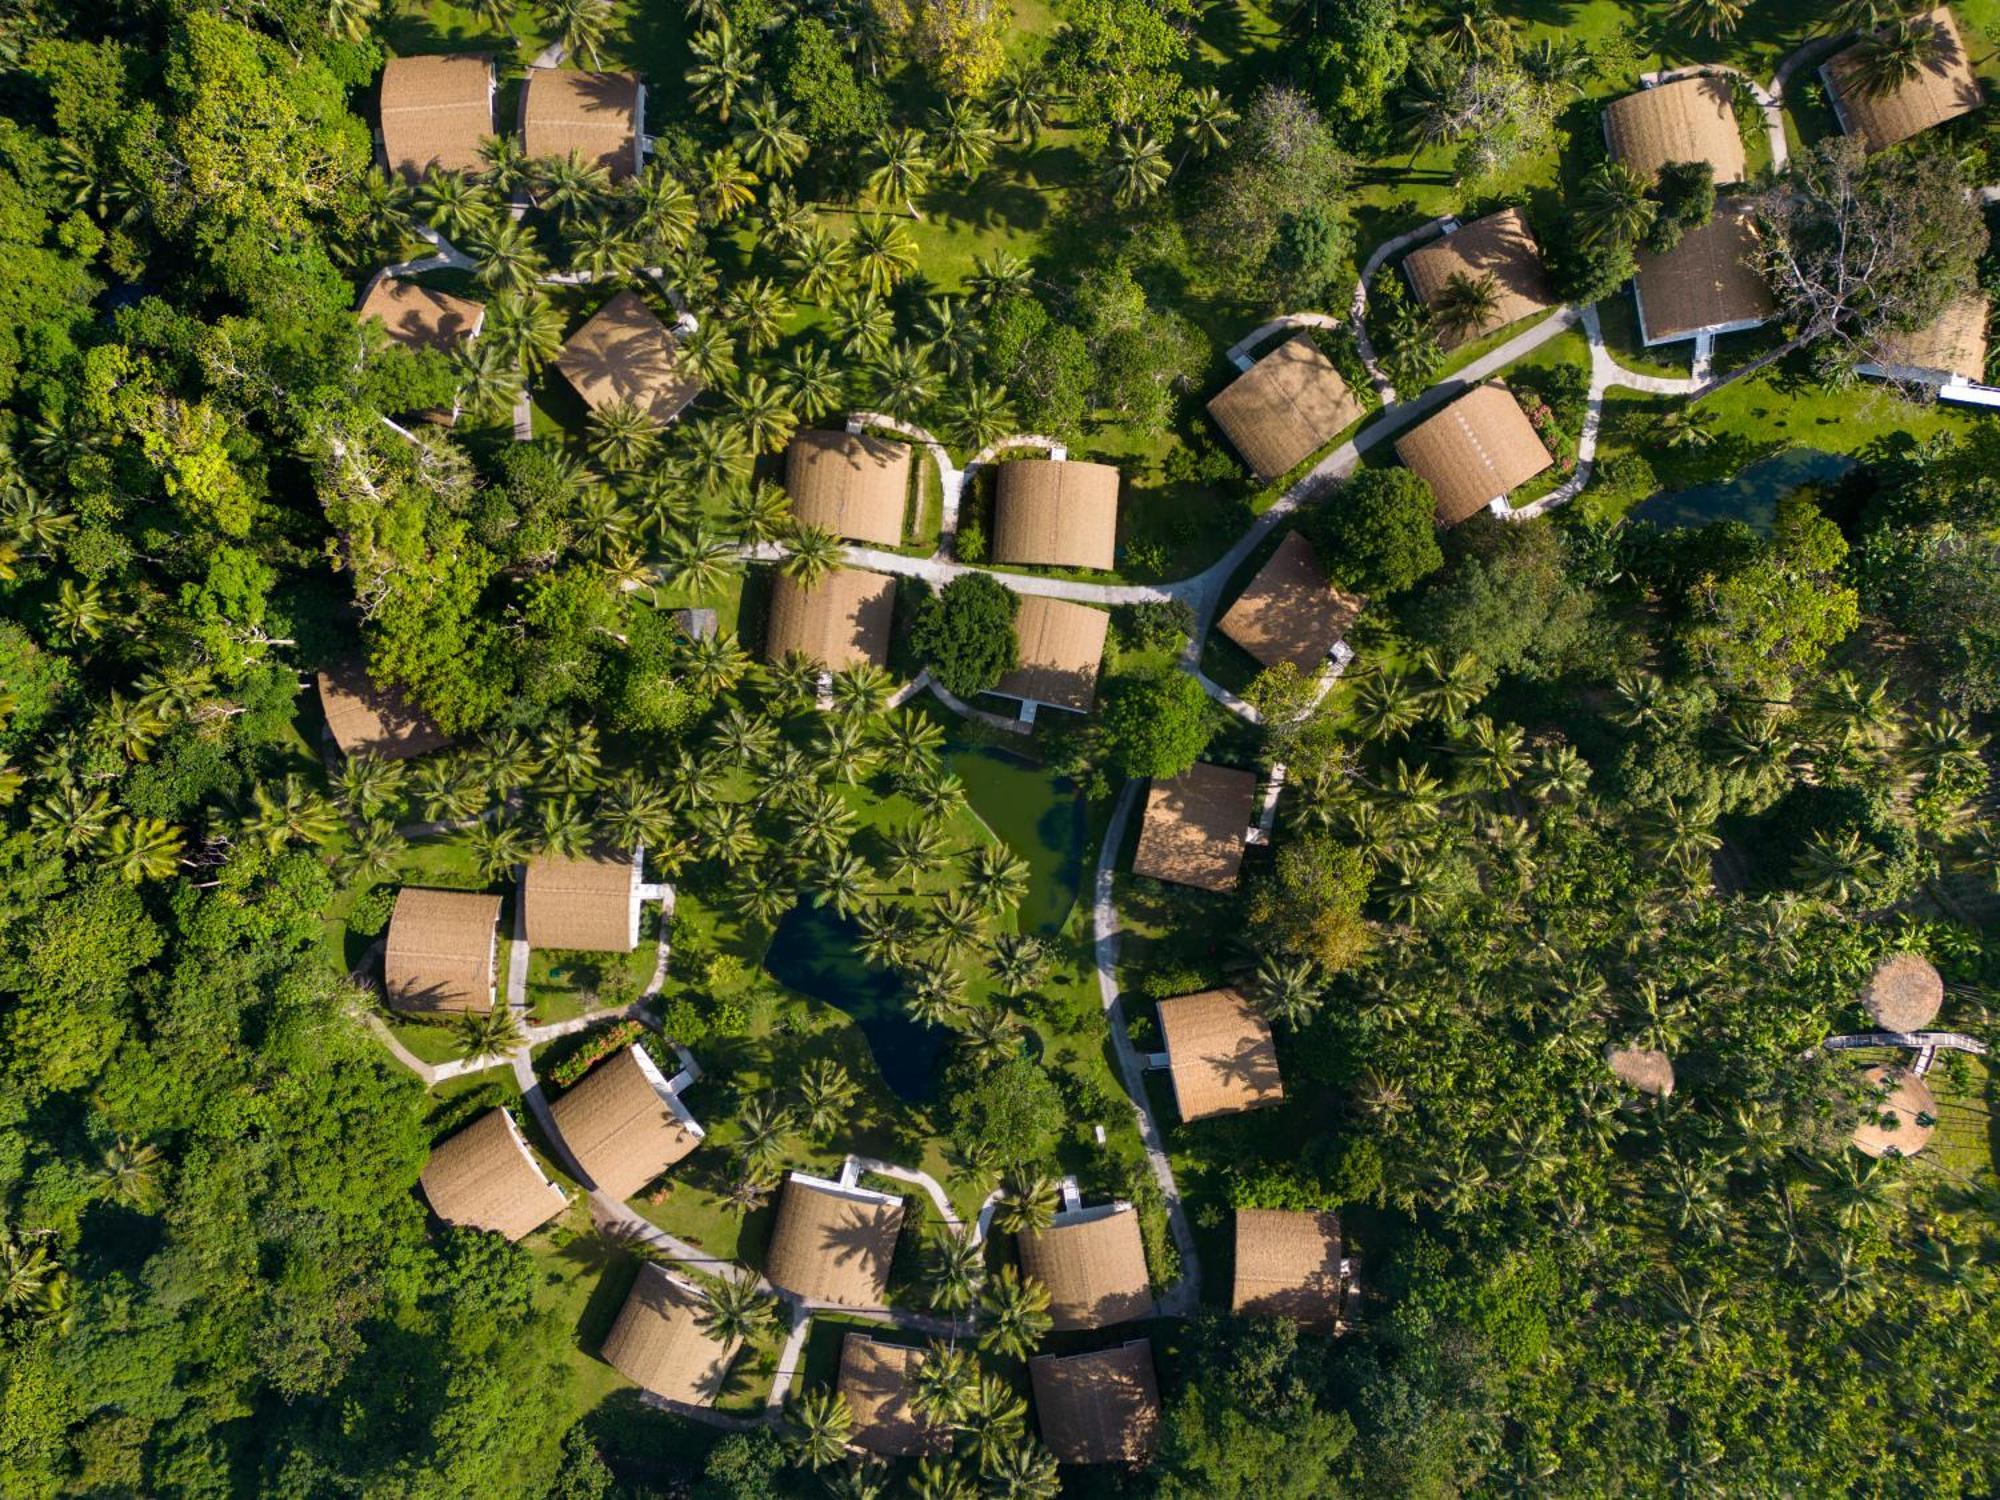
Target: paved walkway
[1239,353]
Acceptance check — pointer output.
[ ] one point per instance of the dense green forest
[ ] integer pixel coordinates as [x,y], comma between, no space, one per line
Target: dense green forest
[1591,786]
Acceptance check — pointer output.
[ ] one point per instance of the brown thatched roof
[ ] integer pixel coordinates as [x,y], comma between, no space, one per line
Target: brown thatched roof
[1056,514]
[623,1125]
[833,1244]
[840,622]
[1943,89]
[484,1177]
[1093,1261]
[1707,282]
[1062,647]
[1904,993]
[1194,827]
[1288,1266]
[1646,1069]
[595,115]
[658,1342]
[1101,1408]
[1475,451]
[440,951]
[1290,612]
[1285,408]
[1690,119]
[435,112]
[876,1379]
[1889,1124]
[417,317]
[849,483]
[626,354]
[368,720]
[1953,344]
[1220,1057]
[590,903]
[1499,245]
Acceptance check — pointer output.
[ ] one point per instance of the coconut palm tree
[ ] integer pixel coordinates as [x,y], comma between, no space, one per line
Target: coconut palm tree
[350,19]
[368,783]
[489,1033]
[1023,1471]
[904,381]
[568,755]
[1899,53]
[601,247]
[142,849]
[860,691]
[989,1035]
[810,555]
[526,325]
[818,263]
[1288,989]
[29,1274]
[910,740]
[504,165]
[944,1382]
[821,1425]
[1208,124]
[81,613]
[579,25]
[743,738]
[452,203]
[826,1094]
[982,414]
[1842,869]
[569,187]
[765,1130]
[882,254]
[1612,205]
[916,850]
[1021,103]
[1465,305]
[1016,1313]
[841,881]
[1559,771]
[709,350]
[1452,687]
[762,415]
[375,852]
[297,814]
[664,211]
[888,934]
[725,187]
[963,138]
[769,137]
[938,793]
[995,1419]
[1135,166]
[1473,29]
[785,217]
[998,276]
[129,1173]
[811,383]
[633,811]
[862,324]
[957,924]
[1714,18]
[724,69]
[794,683]
[490,378]
[496,848]
[821,823]
[737,1312]
[957,1267]
[953,335]
[1019,963]
[758,310]
[903,172]
[716,453]
[505,255]
[563,829]
[623,436]
[937,992]
[843,751]
[715,663]
[1030,1204]
[997,878]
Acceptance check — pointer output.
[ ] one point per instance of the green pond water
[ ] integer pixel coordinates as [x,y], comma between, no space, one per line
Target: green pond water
[814,951]
[1751,496]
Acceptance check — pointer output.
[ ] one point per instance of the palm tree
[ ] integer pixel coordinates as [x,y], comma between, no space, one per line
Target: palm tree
[861,690]
[982,414]
[744,738]
[715,663]
[888,933]
[1842,869]
[716,453]
[81,613]
[994,1421]
[952,334]
[840,881]
[990,1034]
[490,378]
[957,924]
[723,69]
[634,811]
[368,783]
[945,1381]
[910,740]
[765,1129]
[504,164]
[916,850]
[1023,1471]
[964,138]
[1208,124]
[904,381]
[1386,707]
[1030,1204]
[997,877]
[29,1274]
[1021,103]
[1288,990]
[496,848]
[821,1425]
[862,324]
[766,422]
[1472,29]
[1453,687]
[1019,963]
[568,186]
[142,849]
[623,436]
[568,755]
[818,261]
[526,325]
[1713,17]
[298,815]
[725,187]
[563,829]
[882,253]
[350,19]
[826,1094]
[843,750]
[785,218]
[1016,1310]
[505,255]
[821,823]
[664,211]
[452,203]
[958,1266]
[811,383]
[129,1172]
[489,1033]
[1465,305]
[1613,207]
[998,276]
[1898,54]
[375,852]
[1135,166]
[601,247]
[939,793]
[811,555]
[736,1312]
[903,172]
[769,137]
[579,25]
[758,309]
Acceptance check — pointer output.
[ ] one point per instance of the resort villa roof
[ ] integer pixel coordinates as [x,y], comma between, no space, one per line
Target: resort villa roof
[626,354]
[594,115]
[1905,993]
[1101,1408]
[1220,1058]
[1646,1069]
[1288,1266]
[1195,824]
[1892,1119]
[1499,245]
[1290,612]
[440,951]
[368,720]
[1093,1262]
[1285,408]
[1473,452]
[591,903]
[416,317]
[658,1342]
[850,484]
[1690,119]
[839,622]
[435,112]
[1951,347]
[875,1378]
[1944,88]
[1062,647]
[485,1177]
[1708,283]
[1056,513]
[623,1124]
[833,1243]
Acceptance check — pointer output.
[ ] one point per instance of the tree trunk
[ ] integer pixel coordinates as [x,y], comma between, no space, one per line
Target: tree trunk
[1761,362]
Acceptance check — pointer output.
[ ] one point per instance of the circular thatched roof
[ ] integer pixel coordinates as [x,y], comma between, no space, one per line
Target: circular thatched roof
[1645,1069]
[1904,993]
[1902,1097]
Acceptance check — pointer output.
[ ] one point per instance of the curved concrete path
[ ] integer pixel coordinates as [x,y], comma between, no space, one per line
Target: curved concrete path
[1239,352]
[950,479]
[1357,314]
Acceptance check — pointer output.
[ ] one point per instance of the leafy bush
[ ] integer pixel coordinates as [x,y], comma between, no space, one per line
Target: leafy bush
[371,910]
[1379,535]
[965,633]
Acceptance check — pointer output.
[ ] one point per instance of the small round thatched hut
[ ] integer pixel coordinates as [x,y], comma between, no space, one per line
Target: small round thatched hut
[1899,1118]
[1904,993]
[1644,1068]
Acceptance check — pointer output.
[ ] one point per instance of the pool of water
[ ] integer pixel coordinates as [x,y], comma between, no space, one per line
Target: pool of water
[1039,816]
[1751,496]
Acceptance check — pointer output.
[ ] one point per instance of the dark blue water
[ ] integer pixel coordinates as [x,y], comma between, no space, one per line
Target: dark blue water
[814,951]
[1752,496]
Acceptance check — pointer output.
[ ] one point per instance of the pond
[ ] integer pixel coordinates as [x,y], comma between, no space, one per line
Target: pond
[1039,816]
[1752,496]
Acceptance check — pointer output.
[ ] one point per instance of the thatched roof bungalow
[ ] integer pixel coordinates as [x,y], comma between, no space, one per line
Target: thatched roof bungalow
[833,1243]
[1288,1266]
[1220,1057]
[1951,349]
[589,904]
[842,621]
[1099,1408]
[1195,827]
[1944,88]
[1707,284]
[1093,1261]
[852,484]
[1290,612]
[435,113]
[595,116]
[484,1177]
[1285,408]
[1478,449]
[368,720]
[1893,1121]
[1056,513]
[1690,119]
[441,951]
[625,354]
[1905,993]
[1061,651]
[1500,246]
[877,1378]
[658,1342]
[624,1124]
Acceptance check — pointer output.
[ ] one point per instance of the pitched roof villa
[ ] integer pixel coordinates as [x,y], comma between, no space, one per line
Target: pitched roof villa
[1195,826]
[1951,348]
[368,720]
[833,1243]
[625,354]
[1690,119]
[441,950]
[851,484]
[1478,449]
[435,112]
[1101,1408]
[1944,88]
[1061,650]
[484,1177]
[876,1379]
[1707,284]
[1290,612]
[624,1124]
[595,115]
[1093,1261]
[589,904]
[416,317]
[658,1342]
[842,621]
[1285,408]
[1056,513]
[1220,1057]
[1499,245]
[1288,1266]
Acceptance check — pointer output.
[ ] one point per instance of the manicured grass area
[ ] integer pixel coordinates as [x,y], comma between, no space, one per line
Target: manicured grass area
[1618,316]
[1966,1142]
[431,1043]
[563,985]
